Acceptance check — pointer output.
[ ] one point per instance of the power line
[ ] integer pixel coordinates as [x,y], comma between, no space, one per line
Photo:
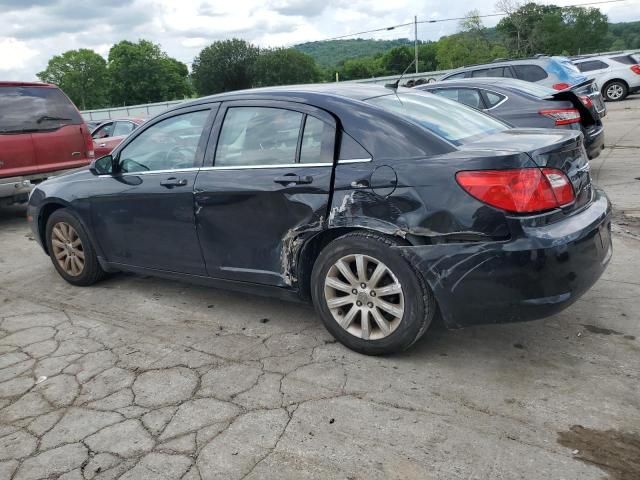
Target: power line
[496,14]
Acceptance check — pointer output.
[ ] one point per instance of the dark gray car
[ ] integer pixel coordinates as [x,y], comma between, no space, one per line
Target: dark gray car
[526,104]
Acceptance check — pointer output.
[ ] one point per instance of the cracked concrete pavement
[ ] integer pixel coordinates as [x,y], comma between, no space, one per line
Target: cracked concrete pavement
[141,378]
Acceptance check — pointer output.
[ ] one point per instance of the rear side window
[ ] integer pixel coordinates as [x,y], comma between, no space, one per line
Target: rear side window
[35,109]
[351,150]
[258,136]
[493,98]
[457,75]
[625,59]
[317,141]
[468,96]
[493,72]
[530,73]
[123,128]
[591,65]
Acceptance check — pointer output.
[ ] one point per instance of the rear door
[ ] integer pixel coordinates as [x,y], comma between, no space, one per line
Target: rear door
[269,178]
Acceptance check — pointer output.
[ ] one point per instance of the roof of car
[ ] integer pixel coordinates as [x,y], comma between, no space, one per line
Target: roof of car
[355,91]
[499,82]
[27,84]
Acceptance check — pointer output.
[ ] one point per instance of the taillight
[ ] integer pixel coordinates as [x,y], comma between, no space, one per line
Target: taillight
[635,69]
[522,190]
[88,143]
[562,116]
[586,101]
[560,86]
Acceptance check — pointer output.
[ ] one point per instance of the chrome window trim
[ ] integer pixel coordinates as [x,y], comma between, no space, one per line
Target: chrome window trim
[241,167]
[356,160]
[506,97]
[258,167]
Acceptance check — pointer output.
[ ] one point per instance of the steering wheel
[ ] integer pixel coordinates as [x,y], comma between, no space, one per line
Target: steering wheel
[180,156]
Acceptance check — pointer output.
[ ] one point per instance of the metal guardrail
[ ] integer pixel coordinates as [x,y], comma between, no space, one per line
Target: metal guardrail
[150,109]
[146,110]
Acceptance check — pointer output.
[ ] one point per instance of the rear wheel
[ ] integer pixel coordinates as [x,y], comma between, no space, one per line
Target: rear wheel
[615,90]
[70,249]
[368,295]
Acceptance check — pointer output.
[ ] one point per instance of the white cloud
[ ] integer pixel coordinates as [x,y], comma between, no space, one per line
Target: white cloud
[14,55]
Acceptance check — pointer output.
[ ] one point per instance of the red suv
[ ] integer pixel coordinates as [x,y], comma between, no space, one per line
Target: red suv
[41,132]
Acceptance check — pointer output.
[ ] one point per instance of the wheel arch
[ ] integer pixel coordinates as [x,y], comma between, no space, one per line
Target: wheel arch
[312,247]
[45,213]
[611,80]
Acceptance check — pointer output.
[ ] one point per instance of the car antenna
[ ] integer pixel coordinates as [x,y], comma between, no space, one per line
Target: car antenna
[395,84]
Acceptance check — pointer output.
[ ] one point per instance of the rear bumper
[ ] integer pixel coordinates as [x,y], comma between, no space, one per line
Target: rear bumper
[539,273]
[594,141]
[18,188]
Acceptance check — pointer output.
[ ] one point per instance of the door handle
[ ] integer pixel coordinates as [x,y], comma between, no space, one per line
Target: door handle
[293,178]
[102,145]
[173,182]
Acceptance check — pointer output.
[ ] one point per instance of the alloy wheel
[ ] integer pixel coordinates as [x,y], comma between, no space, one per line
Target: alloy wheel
[615,91]
[364,296]
[67,249]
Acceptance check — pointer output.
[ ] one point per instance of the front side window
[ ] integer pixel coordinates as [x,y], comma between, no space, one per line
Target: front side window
[123,129]
[450,120]
[530,73]
[35,109]
[170,144]
[258,136]
[104,131]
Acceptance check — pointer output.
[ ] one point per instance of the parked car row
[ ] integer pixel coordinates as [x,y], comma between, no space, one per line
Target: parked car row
[615,75]
[382,206]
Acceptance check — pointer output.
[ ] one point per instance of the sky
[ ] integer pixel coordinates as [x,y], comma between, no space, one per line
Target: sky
[32,31]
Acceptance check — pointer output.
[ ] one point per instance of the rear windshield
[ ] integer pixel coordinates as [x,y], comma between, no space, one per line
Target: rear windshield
[35,109]
[451,120]
[534,89]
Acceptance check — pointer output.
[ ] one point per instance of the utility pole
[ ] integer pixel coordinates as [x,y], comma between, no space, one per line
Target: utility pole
[415,39]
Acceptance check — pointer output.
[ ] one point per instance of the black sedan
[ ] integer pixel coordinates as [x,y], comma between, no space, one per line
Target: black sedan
[526,104]
[381,206]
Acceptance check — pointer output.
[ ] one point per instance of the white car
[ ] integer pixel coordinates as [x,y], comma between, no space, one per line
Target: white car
[617,74]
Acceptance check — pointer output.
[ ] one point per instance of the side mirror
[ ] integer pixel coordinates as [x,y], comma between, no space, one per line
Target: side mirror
[102,166]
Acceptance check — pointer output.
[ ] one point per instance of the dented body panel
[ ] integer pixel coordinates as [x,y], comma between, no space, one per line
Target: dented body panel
[249,228]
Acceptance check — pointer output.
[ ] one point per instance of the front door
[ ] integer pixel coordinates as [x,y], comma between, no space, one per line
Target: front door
[270,178]
[144,214]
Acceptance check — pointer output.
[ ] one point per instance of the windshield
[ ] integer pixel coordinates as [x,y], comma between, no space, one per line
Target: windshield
[35,109]
[451,120]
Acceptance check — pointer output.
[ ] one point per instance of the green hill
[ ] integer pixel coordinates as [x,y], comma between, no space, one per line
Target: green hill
[332,52]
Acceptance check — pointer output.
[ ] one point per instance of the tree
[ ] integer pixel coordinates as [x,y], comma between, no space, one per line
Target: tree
[531,28]
[284,66]
[224,65]
[397,60]
[428,56]
[82,75]
[365,67]
[142,73]
[471,45]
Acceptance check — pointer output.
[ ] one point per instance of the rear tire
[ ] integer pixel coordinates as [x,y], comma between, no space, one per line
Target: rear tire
[369,296]
[615,90]
[70,249]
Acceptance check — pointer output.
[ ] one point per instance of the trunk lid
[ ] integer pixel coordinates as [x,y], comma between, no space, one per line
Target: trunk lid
[590,114]
[553,148]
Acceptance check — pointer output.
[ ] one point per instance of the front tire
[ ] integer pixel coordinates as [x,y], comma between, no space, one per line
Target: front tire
[369,296]
[70,249]
[615,90]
